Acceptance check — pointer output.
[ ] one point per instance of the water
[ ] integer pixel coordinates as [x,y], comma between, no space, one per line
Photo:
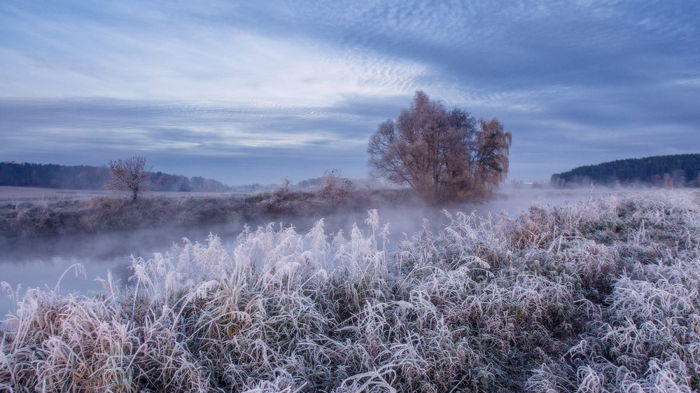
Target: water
[51,262]
[42,262]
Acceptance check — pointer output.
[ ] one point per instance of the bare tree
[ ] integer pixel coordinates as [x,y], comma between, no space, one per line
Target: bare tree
[129,175]
[444,155]
[334,187]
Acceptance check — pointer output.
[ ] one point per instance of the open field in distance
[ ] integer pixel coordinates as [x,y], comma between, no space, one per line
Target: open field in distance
[35,194]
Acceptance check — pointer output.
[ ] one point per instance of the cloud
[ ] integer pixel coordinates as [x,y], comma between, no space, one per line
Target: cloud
[79,56]
[304,83]
[123,125]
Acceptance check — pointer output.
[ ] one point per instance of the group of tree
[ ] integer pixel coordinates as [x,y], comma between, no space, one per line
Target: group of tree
[444,155]
[94,178]
[681,170]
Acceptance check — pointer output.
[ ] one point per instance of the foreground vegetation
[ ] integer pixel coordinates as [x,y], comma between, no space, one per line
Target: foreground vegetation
[593,297]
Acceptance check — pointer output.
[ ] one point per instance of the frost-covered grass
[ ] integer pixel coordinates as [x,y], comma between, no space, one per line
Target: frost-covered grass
[600,296]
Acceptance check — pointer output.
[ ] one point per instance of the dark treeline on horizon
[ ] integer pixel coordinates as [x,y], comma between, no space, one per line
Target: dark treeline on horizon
[83,177]
[668,171]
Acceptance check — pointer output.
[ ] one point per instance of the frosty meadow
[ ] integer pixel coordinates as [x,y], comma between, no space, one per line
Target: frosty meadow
[588,297]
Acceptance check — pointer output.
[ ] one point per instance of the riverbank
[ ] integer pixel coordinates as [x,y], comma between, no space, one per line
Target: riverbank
[43,218]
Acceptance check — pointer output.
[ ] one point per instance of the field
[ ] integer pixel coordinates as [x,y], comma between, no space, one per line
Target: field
[595,296]
[44,213]
[36,194]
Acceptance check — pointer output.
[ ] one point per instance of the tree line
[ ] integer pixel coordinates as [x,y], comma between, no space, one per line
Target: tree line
[85,177]
[664,171]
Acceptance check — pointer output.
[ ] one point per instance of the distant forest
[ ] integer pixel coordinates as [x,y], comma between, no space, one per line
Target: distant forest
[666,171]
[94,178]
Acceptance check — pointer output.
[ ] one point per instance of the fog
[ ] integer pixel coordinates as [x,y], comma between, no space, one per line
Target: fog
[42,262]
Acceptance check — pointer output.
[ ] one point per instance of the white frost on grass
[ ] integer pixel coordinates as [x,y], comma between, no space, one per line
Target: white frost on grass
[592,297]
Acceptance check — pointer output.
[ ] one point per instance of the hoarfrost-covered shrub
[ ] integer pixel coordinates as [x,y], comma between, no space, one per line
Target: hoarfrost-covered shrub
[591,297]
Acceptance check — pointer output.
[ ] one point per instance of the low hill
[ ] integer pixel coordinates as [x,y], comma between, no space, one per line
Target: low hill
[673,170]
[85,177]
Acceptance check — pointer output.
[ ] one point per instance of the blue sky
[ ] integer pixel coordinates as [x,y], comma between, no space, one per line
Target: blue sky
[251,91]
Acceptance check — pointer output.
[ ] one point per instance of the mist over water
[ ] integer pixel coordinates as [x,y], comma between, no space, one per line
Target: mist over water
[42,262]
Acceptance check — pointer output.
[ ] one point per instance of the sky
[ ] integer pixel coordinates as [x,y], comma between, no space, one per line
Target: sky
[254,91]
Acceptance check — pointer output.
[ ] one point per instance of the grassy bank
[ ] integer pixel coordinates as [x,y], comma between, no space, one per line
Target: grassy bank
[592,297]
[29,219]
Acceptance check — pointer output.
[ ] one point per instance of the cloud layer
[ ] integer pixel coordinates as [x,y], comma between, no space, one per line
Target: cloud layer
[251,92]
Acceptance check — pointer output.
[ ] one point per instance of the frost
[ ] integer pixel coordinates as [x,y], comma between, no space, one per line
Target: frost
[600,296]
